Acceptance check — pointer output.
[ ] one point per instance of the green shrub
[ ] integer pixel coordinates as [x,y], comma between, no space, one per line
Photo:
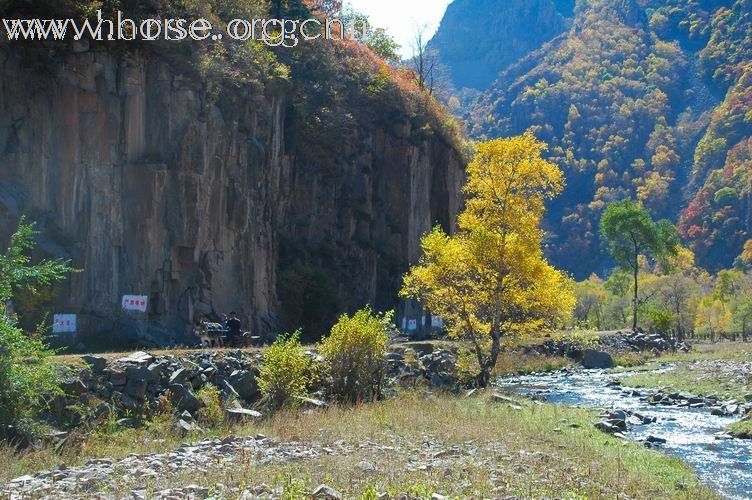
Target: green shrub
[27,373]
[210,414]
[285,373]
[356,350]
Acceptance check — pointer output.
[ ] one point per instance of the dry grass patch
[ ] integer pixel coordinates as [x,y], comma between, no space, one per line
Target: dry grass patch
[493,449]
[421,444]
[517,363]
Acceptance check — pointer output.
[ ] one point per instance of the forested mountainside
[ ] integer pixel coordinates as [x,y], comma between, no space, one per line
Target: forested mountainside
[286,184]
[648,99]
[471,31]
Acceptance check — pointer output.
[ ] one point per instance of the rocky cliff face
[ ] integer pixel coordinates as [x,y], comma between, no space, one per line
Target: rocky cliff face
[151,188]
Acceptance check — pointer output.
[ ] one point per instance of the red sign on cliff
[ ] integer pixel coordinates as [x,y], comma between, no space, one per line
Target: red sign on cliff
[137,303]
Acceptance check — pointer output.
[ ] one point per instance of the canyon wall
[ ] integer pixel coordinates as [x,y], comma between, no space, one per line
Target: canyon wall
[152,188]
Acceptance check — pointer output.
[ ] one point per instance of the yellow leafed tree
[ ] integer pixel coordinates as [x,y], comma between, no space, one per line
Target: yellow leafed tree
[490,280]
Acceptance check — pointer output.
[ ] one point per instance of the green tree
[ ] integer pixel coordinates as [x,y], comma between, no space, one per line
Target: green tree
[26,370]
[630,232]
[383,45]
[377,39]
[741,310]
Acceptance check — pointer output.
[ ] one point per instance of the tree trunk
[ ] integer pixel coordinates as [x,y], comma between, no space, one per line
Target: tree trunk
[634,299]
[487,367]
[744,330]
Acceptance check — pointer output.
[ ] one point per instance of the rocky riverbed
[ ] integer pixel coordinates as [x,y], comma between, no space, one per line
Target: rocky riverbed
[690,427]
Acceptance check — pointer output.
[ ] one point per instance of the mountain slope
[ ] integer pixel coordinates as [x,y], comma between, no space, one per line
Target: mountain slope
[467,42]
[646,99]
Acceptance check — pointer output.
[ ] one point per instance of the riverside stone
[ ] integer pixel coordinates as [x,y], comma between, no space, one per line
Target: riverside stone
[593,359]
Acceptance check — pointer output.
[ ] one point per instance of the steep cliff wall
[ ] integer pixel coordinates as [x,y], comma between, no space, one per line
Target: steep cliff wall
[153,188]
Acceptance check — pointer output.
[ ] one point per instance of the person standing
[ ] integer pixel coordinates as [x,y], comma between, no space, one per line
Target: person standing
[233,329]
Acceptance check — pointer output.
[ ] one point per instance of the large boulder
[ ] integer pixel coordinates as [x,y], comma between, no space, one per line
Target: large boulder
[73,387]
[184,399]
[244,384]
[139,358]
[593,359]
[180,376]
[136,388]
[118,378]
[138,373]
[235,415]
[96,363]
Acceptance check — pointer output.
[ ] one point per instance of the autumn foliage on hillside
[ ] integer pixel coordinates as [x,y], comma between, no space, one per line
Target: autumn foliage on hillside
[642,99]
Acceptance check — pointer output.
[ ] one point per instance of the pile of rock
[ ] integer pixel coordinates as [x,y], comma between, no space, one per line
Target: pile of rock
[140,384]
[727,408]
[553,347]
[98,475]
[232,459]
[618,421]
[639,341]
[658,397]
[634,341]
[421,364]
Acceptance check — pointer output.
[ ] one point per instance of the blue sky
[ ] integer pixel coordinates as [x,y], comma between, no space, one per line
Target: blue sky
[400,17]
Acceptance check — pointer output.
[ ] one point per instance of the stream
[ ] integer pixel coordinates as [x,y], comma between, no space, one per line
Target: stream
[723,464]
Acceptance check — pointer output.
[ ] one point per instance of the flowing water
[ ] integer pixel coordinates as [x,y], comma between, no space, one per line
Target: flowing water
[692,434]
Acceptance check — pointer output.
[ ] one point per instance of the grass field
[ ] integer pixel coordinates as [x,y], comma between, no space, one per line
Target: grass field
[724,370]
[417,443]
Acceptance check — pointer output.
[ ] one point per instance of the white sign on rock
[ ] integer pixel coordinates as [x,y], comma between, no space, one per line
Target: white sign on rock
[137,303]
[64,323]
